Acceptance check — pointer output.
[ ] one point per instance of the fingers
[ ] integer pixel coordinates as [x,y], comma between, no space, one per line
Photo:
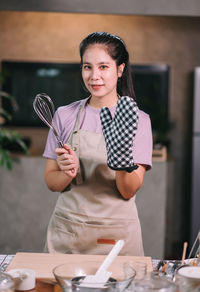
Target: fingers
[64,149]
[60,151]
[67,160]
[68,148]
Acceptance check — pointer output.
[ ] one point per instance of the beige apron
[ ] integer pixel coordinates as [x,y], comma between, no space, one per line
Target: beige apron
[92,213]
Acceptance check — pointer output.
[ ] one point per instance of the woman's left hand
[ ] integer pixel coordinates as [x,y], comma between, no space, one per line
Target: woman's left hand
[67,160]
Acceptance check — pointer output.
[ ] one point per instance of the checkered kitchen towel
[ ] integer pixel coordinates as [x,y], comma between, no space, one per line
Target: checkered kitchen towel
[119,133]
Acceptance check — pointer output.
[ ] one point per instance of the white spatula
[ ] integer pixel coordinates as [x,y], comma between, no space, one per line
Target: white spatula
[102,275]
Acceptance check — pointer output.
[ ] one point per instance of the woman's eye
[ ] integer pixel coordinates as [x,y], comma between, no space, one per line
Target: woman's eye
[102,67]
[86,67]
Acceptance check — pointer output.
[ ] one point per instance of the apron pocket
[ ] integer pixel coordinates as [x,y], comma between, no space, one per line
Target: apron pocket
[87,234]
[64,225]
[95,235]
[60,235]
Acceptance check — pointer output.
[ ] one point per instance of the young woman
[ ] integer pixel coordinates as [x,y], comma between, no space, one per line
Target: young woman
[96,206]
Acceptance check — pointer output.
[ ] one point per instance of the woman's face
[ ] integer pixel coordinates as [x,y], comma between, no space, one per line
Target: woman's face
[100,72]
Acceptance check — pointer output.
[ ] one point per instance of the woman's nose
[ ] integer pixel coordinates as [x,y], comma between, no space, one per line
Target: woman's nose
[95,74]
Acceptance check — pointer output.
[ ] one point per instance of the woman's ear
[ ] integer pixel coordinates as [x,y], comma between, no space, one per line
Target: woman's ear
[120,70]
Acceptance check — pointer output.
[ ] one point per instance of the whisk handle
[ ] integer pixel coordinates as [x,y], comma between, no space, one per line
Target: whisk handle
[60,144]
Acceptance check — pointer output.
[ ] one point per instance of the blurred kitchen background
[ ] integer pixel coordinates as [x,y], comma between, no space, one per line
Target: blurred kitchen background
[39,52]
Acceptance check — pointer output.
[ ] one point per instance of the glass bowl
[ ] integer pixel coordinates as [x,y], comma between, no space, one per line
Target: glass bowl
[70,275]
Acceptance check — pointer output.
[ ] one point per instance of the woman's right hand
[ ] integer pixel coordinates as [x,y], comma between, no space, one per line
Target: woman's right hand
[67,160]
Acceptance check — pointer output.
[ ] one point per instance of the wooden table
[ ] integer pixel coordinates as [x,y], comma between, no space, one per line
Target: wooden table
[44,287]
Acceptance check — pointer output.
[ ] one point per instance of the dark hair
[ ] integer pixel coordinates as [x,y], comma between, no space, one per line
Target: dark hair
[117,50]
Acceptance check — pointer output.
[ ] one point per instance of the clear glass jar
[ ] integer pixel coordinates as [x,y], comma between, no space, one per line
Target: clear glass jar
[6,283]
[154,285]
[139,267]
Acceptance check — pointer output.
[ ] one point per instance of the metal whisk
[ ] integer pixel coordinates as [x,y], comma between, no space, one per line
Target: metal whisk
[44,108]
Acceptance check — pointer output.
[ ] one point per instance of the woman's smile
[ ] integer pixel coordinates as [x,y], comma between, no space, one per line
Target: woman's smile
[96,86]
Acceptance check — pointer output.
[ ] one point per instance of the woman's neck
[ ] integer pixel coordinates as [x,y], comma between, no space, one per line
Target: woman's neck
[99,102]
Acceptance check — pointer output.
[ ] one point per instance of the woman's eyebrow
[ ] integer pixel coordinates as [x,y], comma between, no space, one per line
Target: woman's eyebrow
[88,63]
[104,63]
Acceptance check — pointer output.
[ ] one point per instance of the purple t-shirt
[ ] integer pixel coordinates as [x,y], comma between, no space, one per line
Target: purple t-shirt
[65,118]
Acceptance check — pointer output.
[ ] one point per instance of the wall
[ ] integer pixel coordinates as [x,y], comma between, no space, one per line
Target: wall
[52,37]
[135,7]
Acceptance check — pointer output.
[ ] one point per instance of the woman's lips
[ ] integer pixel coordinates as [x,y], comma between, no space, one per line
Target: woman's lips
[96,86]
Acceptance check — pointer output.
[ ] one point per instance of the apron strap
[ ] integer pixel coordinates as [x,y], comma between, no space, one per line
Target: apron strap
[74,140]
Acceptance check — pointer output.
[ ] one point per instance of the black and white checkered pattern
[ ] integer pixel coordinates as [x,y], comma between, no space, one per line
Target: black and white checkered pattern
[119,133]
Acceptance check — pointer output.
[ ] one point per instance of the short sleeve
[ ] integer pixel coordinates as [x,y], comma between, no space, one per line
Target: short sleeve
[143,142]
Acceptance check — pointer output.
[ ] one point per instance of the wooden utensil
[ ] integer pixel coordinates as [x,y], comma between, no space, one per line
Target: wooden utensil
[184,252]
